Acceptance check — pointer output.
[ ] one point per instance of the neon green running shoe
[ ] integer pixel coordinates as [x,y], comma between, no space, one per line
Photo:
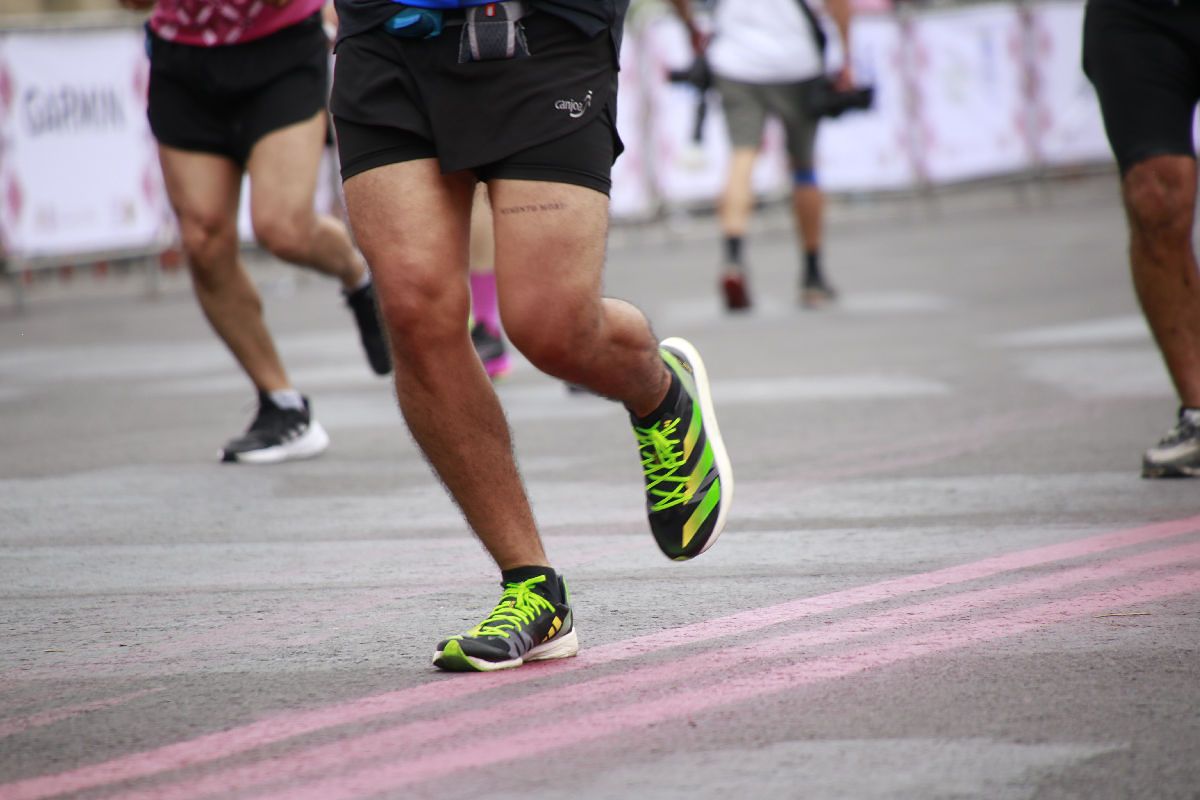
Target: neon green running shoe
[689,481]
[525,625]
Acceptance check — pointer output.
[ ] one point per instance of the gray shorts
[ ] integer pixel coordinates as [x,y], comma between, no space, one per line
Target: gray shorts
[747,106]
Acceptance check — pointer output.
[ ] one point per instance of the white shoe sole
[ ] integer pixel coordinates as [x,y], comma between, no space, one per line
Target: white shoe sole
[314,442]
[709,416]
[564,646]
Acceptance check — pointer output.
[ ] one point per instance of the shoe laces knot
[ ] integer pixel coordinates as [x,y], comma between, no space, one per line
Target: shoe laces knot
[662,456]
[519,605]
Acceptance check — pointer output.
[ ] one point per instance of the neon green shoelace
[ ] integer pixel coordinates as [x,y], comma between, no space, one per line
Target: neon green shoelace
[661,459]
[519,605]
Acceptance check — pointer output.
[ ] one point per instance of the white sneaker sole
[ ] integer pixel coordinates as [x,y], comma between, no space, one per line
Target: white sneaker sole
[709,416]
[314,442]
[564,646]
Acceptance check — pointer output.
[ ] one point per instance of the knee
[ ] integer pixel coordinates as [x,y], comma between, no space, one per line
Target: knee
[1159,198]
[286,236]
[421,307]
[210,244]
[554,337]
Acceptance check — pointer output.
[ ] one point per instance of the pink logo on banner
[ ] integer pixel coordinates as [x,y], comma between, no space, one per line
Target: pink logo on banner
[141,80]
[6,89]
[14,198]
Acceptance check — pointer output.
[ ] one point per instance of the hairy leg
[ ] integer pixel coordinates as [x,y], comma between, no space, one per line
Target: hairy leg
[550,240]
[412,223]
[1160,200]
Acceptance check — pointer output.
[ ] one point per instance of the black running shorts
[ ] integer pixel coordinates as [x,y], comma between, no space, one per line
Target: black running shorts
[550,116]
[223,99]
[1143,57]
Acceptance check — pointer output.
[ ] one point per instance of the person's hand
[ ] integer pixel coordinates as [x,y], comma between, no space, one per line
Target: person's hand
[137,5]
[699,39]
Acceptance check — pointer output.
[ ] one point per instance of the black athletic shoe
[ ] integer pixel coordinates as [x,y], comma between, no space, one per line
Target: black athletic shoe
[526,625]
[1177,455]
[689,481]
[277,434]
[814,294]
[370,331]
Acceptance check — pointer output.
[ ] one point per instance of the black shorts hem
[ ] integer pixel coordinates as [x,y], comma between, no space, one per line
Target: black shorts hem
[529,172]
[1131,159]
[224,99]
[396,154]
[240,153]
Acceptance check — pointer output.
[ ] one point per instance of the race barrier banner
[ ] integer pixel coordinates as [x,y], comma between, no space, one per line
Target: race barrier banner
[960,94]
[971,107]
[78,169]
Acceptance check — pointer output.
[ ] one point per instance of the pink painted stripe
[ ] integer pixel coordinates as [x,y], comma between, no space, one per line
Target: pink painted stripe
[401,742]
[214,746]
[734,688]
[11,727]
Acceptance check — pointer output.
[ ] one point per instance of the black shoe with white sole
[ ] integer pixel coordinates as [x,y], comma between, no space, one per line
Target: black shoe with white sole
[370,329]
[1177,454]
[277,434]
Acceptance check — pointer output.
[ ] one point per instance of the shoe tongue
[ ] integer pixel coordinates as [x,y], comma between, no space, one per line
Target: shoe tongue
[1190,415]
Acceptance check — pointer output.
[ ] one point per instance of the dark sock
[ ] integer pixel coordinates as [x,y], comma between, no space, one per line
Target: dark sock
[812,268]
[733,250]
[548,588]
[665,408]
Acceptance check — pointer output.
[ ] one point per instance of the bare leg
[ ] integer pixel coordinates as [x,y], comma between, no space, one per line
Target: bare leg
[483,244]
[1160,199]
[204,191]
[737,199]
[737,202]
[549,259]
[420,272]
[283,170]
[808,206]
[486,332]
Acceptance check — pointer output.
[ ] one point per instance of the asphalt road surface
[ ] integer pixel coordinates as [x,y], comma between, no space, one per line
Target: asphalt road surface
[942,577]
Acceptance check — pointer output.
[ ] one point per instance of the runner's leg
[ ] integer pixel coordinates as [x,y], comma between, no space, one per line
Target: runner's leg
[203,190]
[283,168]
[412,224]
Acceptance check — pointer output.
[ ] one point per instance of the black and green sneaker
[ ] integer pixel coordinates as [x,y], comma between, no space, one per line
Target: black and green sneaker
[526,625]
[689,481]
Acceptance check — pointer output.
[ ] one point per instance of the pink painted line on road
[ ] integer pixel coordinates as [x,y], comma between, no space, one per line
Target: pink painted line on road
[11,727]
[401,742]
[733,689]
[214,746]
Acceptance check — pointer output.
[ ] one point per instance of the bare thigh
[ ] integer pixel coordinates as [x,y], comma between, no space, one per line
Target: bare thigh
[412,223]
[550,247]
[283,170]
[203,189]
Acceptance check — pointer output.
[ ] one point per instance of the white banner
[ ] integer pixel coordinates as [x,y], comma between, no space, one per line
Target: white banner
[972,109]
[632,197]
[869,150]
[78,169]
[960,94]
[1070,129]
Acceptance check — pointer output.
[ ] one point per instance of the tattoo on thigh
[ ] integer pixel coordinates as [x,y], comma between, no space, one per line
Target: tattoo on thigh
[534,208]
